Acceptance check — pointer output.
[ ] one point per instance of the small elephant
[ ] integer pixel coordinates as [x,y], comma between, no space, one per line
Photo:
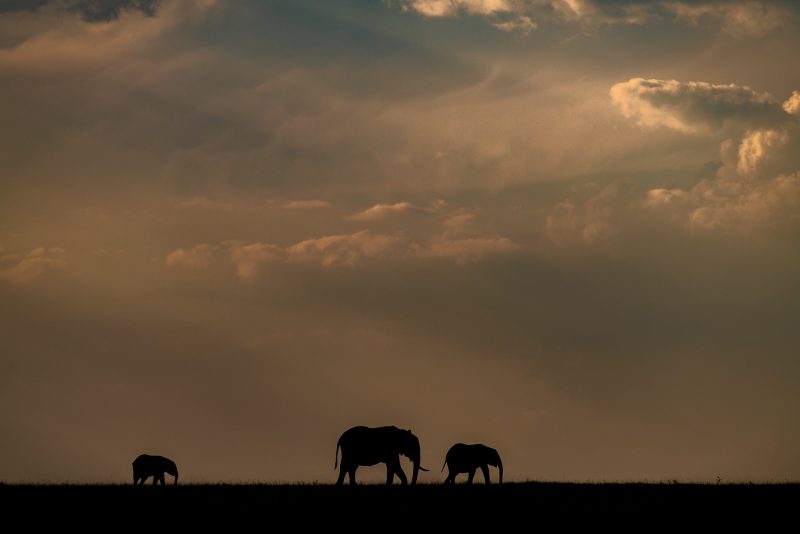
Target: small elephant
[145,466]
[463,458]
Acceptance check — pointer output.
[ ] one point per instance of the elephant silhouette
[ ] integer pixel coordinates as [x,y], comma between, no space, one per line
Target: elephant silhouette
[463,458]
[366,446]
[145,466]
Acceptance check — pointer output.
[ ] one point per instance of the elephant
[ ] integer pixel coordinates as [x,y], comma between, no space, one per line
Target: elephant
[145,466]
[463,458]
[363,445]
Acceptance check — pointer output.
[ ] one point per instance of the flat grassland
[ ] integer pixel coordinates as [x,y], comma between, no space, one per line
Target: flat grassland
[524,506]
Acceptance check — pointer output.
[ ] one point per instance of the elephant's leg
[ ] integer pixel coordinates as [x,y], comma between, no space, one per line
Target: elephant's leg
[451,477]
[485,471]
[342,471]
[471,475]
[401,474]
[389,473]
[352,473]
[393,468]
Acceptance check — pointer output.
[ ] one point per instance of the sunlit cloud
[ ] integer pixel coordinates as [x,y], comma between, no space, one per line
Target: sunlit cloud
[744,193]
[383,211]
[346,249]
[196,257]
[755,146]
[248,258]
[693,107]
[663,197]
[35,264]
[445,8]
[458,221]
[792,104]
[520,23]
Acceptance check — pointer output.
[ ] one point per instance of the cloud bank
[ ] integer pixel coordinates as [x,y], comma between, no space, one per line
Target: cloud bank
[694,107]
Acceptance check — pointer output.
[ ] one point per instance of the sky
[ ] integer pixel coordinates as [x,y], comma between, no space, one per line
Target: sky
[567,229]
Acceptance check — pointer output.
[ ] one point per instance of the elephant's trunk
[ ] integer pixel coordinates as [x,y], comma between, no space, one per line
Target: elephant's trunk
[176,479]
[415,473]
[500,470]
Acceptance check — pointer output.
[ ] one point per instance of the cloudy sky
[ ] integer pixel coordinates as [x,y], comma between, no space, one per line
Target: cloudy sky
[230,230]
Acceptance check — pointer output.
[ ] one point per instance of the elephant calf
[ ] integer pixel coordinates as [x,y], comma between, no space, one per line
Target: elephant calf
[145,466]
[463,458]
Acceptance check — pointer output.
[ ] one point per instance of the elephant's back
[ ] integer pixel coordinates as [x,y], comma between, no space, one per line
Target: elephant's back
[142,459]
[368,438]
[457,449]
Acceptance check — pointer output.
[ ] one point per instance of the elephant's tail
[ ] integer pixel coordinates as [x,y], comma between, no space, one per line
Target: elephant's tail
[336,459]
[444,464]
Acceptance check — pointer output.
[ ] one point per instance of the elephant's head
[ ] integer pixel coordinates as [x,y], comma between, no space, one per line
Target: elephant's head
[494,459]
[409,447]
[172,469]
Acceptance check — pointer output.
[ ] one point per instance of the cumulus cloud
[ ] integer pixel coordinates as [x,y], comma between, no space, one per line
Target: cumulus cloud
[663,197]
[721,205]
[458,221]
[741,195]
[757,181]
[792,104]
[520,23]
[694,107]
[755,147]
[749,18]
[39,261]
[517,15]
[346,249]
[447,8]
[196,257]
[382,211]
[248,258]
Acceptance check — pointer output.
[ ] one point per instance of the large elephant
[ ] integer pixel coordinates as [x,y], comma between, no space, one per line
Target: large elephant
[362,445]
[145,466]
[463,458]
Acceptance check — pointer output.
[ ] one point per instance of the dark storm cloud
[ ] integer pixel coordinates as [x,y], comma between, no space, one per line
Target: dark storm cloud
[88,10]
[105,10]
[7,6]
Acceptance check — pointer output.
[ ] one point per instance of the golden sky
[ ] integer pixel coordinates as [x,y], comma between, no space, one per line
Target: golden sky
[567,229]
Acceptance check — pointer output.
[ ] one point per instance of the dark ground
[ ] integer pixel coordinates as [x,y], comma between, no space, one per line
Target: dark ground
[511,507]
